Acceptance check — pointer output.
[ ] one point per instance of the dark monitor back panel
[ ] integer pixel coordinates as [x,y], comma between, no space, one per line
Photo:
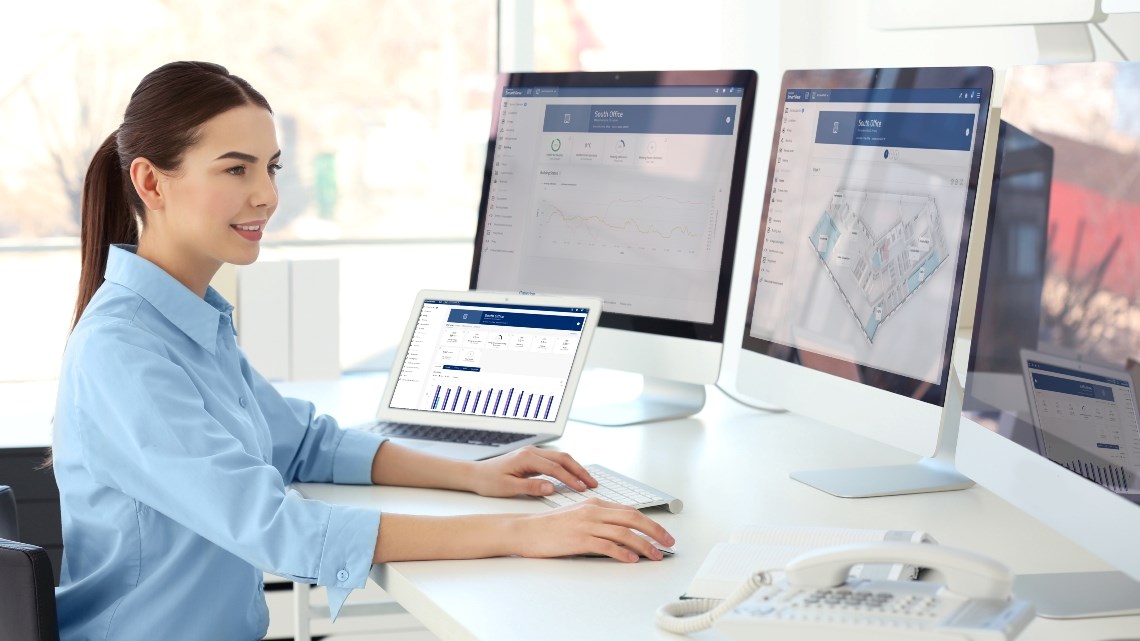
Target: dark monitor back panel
[1015,246]
[626,186]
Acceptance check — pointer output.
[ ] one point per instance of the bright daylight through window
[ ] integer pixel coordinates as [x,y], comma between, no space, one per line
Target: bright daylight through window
[381,110]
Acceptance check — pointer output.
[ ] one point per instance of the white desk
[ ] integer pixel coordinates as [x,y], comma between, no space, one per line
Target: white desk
[730,465]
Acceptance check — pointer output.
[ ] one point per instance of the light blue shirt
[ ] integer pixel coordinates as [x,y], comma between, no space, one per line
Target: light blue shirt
[173,457]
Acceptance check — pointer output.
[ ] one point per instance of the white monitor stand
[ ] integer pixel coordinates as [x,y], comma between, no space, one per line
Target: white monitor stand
[675,372]
[1086,513]
[1079,595]
[909,424]
[934,473]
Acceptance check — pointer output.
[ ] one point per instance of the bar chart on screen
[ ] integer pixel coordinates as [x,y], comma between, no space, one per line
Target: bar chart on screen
[1110,476]
[514,402]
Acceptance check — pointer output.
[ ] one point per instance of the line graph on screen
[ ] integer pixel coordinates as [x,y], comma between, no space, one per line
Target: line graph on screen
[636,227]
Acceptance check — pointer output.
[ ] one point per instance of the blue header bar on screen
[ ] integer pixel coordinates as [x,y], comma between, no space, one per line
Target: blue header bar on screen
[1069,386]
[1043,367]
[958,95]
[515,319]
[948,131]
[641,119]
[715,91]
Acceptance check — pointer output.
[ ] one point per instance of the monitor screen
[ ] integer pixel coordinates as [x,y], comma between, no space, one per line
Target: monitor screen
[1055,355]
[866,217]
[624,186]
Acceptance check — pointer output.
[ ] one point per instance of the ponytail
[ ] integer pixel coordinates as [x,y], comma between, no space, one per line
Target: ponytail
[105,219]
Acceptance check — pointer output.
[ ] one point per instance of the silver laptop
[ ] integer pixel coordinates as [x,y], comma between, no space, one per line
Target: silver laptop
[1085,419]
[481,373]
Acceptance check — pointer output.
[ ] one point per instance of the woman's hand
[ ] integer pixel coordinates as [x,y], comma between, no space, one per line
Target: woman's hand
[511,474]
[590,527]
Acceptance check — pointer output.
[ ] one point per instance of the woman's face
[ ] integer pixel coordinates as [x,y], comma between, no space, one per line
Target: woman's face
[217,204]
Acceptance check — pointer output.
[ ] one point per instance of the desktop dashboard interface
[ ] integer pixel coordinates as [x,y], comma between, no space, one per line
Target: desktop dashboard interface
[493,360]
[620,193]
[862,227]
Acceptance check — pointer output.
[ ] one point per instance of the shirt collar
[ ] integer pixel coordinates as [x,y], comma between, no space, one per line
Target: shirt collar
[198,318]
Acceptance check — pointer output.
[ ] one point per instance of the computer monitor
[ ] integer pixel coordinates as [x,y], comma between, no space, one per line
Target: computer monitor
[860,259]
[625,186]
[1049,419]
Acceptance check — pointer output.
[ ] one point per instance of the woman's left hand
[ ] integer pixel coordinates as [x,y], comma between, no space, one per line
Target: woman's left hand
[512,474]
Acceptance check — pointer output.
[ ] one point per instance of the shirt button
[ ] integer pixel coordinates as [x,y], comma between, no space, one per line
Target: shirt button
[241,401]
[342,576]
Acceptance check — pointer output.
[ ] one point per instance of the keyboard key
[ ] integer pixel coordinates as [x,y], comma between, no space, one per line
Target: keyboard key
[615,488]
[445,434]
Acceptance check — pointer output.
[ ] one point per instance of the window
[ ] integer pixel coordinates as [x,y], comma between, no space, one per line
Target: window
[598,35]
[382,110]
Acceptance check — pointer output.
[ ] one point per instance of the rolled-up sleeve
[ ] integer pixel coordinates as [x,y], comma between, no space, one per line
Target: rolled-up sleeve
[148,420]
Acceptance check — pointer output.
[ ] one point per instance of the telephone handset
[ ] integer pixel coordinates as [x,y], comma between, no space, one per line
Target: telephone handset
[816,599]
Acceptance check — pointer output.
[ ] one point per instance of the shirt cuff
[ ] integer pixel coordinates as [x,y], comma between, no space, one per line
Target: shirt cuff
[352,462]
[346,560]
[337,597]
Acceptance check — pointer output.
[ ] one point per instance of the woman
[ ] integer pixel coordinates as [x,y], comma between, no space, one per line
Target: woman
[173,455]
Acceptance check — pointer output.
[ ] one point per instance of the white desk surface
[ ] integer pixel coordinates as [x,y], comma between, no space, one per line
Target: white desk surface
[730,465]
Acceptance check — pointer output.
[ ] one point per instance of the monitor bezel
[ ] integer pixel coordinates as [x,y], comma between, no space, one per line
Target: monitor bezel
[715,330]
[971,77]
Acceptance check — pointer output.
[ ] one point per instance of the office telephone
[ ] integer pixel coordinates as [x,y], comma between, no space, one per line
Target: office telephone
[816,599]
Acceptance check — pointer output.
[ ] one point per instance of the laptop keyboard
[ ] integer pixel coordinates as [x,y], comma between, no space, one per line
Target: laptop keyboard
[446,434]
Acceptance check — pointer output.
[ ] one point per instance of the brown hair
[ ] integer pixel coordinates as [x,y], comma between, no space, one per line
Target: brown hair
[162,121]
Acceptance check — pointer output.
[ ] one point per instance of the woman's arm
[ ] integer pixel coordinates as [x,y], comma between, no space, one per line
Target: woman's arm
[592,527]
[508,475]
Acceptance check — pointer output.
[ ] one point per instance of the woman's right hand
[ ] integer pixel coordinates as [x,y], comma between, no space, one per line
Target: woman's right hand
[590,527]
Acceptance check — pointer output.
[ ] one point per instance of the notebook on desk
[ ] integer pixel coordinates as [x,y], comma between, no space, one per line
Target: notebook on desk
[478,374]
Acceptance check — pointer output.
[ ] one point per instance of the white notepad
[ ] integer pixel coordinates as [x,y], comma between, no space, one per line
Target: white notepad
[753,548]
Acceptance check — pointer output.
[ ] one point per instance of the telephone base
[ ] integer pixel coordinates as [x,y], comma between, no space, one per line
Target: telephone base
[927,475]
[1079,595]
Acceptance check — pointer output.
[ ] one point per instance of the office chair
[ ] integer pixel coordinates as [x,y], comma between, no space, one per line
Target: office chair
[27,591]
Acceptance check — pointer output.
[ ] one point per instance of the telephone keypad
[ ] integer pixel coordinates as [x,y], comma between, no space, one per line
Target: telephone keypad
[848,599]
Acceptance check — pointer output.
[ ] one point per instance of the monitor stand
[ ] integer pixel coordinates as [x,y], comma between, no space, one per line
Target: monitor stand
[660,400]
[934,474]
[1079,595]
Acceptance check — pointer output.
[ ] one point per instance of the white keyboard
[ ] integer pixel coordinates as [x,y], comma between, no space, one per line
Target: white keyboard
[613,487]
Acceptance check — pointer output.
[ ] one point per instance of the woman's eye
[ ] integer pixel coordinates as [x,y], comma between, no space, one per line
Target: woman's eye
[274,168]
[236,171]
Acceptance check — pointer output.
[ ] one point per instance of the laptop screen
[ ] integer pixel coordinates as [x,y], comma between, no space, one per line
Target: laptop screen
[1085,419]
[493,360]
